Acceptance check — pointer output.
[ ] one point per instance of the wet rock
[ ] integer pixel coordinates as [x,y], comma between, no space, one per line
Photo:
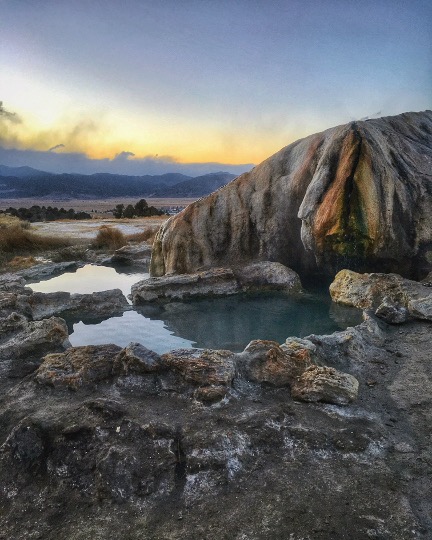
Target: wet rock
[48,270]
[295,207]
[391,313]
[325,384]
[216,282]
[267,275]
[136,358]
[97,304]
[78,366]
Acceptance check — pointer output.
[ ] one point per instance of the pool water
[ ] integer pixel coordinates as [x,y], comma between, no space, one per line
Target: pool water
[218,323]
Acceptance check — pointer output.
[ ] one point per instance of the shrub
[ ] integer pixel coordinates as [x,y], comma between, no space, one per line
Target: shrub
[147,235]
[109,237]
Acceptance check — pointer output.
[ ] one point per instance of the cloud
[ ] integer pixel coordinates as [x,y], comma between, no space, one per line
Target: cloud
[56,147]
[74,162]
[7,115]
[124,155]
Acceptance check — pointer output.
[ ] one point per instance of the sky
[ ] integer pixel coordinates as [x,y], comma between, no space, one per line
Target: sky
[145,87]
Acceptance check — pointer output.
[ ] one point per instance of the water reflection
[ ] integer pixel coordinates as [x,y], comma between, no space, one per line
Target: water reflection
[91,278]
[131,326]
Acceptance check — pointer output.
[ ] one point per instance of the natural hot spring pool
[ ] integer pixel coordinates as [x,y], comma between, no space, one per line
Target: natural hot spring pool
[217,323]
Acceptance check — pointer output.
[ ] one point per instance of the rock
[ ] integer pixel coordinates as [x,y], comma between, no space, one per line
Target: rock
[136,358]
[357,193]
[421,308]
[97,304]
[267,275]
[266,361]
[203,367]
[24,343]
[216,282]
[210,394]
[78,366]
[48,270]
[26,445]
[132,253]
[391,313]
[11,283]
[264,275]
[325,384]
[393,297]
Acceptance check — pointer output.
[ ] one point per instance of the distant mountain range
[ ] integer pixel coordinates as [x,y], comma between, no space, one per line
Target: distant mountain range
[21,182]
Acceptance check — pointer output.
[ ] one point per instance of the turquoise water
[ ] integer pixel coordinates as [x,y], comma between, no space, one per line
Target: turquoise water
[217,323]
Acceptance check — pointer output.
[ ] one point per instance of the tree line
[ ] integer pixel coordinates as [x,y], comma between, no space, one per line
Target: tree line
[45,213]
[141,209]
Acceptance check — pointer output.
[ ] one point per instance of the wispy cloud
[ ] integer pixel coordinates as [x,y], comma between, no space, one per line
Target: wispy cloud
[56,147]
[7,115]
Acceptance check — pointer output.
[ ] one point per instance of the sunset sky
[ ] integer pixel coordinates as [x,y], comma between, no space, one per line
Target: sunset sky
[197,81]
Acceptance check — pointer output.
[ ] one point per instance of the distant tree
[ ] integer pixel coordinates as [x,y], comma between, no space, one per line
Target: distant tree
[118,212]
[129,211]
[141,208]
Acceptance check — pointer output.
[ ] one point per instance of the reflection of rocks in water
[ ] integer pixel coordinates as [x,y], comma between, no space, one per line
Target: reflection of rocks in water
[233,322]
[342,314]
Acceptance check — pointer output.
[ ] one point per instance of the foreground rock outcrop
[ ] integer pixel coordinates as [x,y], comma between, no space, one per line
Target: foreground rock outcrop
[355,196]
[210,444]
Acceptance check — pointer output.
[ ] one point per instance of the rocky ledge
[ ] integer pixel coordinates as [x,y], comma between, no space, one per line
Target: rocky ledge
[15,297]
[393,298]
[113,443]
[262,276]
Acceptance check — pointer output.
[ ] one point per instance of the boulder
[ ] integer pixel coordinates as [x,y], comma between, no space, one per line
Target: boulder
[203,368]
[78,366]
[325,384]
[216,282]
[392,297]
[136,358]
[391,313]
[132,254]
[267,275]
[354,196]
[266,361]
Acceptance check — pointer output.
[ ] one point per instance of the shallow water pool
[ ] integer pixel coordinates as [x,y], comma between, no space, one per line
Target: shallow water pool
[219,323]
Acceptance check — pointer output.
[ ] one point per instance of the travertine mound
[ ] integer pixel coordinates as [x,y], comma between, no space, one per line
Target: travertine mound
[355,196]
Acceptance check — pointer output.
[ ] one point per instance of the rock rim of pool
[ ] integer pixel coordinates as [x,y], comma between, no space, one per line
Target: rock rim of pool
[209,443]
[260,276]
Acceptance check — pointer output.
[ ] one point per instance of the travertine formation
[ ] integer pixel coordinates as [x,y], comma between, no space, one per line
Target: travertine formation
[355,196]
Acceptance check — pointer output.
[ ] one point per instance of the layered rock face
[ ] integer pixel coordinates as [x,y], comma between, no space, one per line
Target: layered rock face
[355,196]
